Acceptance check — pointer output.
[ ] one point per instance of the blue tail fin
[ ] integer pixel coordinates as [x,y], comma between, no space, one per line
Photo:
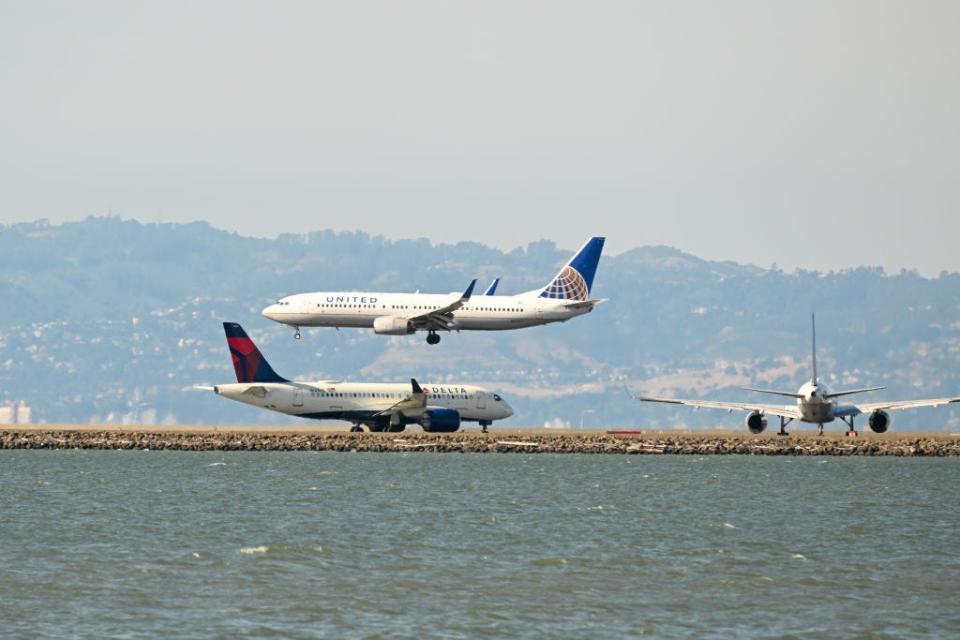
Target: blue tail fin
[248,362]
[492,289]
[576,279]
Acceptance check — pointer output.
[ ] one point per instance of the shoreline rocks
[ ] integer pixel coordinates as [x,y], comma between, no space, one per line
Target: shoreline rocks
[536,442]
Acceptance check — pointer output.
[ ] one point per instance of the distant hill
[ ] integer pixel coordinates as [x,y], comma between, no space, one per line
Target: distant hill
[110,319]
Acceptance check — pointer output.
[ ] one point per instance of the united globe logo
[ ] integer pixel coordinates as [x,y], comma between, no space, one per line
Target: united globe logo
[568,285]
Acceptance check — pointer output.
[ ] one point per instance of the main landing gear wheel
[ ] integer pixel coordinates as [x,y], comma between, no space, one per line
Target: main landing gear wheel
[783,426]
[433,338]
[296,333]
[852,431]
[356,429]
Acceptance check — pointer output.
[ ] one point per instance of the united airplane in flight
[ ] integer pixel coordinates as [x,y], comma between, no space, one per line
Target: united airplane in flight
[374,406]
[566,296]
[815,403]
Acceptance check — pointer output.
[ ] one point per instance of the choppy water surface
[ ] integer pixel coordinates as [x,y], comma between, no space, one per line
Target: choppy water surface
[101,544]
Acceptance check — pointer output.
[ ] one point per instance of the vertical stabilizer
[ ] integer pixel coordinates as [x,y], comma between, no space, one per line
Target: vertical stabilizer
[813,354]
[248,362]
[576,278]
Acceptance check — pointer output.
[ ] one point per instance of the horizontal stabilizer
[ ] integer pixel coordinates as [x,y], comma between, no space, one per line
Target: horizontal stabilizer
[852,391]
[786,394]
[585,304]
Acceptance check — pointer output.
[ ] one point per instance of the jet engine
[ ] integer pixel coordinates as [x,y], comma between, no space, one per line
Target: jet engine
[756,422]
[392,326]
[879,421]
[440,420]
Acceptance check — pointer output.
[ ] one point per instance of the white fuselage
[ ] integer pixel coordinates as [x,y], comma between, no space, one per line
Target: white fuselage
[480,313]
[359,402]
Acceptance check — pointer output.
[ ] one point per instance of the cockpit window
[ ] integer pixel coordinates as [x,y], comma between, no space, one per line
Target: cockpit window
[497,398]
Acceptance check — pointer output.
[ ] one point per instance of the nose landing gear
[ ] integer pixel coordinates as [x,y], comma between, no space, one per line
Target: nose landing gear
[296,333]
[432,337]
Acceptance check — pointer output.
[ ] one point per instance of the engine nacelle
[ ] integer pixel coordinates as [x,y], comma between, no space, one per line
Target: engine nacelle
[392,326]
[756,422]
[879,421]
[440,420]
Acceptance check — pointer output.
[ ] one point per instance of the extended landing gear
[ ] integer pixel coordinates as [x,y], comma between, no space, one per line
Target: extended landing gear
[852,432]
[296,333]
[820,429]
[783,426]
[484,424]
[356,429]
[432,337]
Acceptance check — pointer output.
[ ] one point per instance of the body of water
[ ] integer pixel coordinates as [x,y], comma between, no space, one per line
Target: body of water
[304,545]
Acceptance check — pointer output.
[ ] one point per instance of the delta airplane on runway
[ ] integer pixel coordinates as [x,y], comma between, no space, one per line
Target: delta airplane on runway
[376,406]
[815,404]
[566,296]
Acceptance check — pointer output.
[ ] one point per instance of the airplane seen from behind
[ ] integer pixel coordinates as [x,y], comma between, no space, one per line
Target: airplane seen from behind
[566,296]
[376,406]
[815,403]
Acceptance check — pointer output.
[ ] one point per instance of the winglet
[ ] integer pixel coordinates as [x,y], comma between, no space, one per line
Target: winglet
[492,289]
[417,390]
[469,292]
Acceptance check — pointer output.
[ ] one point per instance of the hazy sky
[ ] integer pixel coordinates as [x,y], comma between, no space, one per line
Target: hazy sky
[819,134]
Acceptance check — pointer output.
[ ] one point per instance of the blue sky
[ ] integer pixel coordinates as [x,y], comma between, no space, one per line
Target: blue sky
[815,134]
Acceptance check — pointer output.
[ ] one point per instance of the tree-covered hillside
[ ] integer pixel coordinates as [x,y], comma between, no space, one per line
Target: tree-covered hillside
[110,319]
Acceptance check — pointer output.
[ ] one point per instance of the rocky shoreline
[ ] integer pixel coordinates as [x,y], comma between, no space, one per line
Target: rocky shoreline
[599,442]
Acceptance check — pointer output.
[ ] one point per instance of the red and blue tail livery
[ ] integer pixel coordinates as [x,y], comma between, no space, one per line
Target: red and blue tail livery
[248,362]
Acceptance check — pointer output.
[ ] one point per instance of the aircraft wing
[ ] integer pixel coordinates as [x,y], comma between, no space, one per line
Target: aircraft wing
[904,404]
[442,318]
[771,409]
[411,404]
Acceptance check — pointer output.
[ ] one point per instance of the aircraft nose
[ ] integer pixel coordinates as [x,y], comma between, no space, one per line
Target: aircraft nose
[270,311]
[507,410]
